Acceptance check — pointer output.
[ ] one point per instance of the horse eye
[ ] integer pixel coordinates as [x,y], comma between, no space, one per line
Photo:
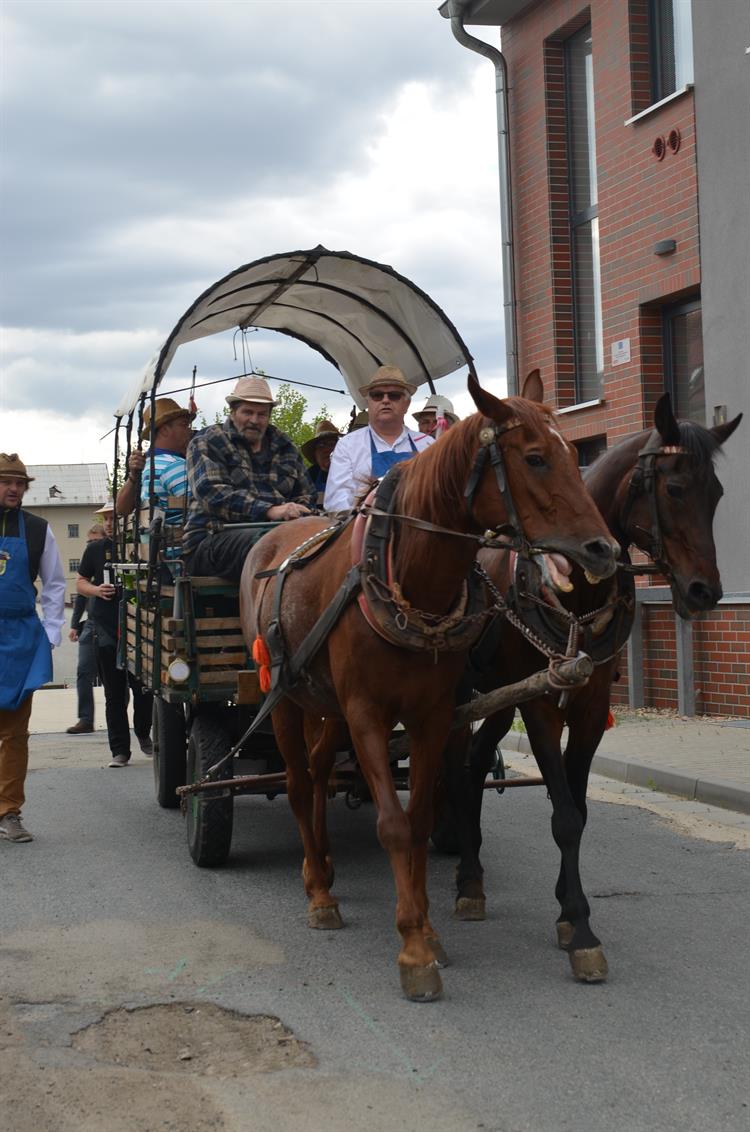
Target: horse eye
[534,460]
[675,490]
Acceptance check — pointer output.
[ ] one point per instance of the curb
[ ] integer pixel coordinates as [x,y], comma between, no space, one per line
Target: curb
[711,791]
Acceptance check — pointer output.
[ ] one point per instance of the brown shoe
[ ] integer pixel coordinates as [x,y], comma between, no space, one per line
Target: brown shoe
[80,728]
[12,830]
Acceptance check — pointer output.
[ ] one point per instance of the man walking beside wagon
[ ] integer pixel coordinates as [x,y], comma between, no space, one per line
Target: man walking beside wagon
[27,550]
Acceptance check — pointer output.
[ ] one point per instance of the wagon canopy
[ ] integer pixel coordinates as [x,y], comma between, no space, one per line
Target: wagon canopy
[357,313]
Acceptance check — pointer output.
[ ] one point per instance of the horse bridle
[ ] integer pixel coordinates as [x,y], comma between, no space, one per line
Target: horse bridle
[490,451]
[643,482]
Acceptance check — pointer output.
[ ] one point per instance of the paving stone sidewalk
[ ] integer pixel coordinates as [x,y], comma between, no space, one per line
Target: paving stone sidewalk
[702,759]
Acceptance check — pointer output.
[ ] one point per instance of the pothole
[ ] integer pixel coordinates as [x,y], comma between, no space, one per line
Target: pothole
[185,1038]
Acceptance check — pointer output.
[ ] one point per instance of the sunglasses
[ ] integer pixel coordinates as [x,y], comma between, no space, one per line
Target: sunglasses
[379,394]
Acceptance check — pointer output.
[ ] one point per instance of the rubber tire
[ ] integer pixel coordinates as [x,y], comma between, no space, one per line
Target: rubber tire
[169,736]
[210,816]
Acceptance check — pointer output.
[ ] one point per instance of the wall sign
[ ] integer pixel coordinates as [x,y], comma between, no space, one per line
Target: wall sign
[620,351]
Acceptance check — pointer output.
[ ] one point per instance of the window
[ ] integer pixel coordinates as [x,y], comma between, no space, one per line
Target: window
[73,564]
[72,530]
[683,360]
[671,35]
[584,216]
[590,450]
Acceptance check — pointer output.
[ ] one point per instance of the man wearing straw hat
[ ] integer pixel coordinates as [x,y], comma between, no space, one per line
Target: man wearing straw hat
[27,550]
[172,433]
[241,471]
[368,453]
[318,451]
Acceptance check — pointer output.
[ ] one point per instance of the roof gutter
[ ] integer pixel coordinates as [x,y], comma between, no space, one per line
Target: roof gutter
[455,9]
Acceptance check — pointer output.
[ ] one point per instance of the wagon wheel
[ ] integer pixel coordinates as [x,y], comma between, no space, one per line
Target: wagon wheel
[497,770]
[170,740]
[209,815]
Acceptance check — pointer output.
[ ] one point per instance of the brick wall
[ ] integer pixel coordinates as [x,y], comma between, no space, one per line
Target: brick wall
[641,200]
[721,658]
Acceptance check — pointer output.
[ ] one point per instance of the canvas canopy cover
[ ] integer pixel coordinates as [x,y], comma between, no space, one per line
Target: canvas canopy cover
[357,313]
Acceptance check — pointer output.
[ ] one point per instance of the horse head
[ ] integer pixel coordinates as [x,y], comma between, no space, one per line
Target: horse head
[669,504]
[530,481]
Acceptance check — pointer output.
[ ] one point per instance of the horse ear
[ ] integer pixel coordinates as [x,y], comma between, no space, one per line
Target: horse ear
[533,387]
[487,403]
[722,432]
[665,421]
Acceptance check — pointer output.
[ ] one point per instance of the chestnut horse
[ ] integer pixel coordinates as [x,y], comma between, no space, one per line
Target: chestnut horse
[657,490]
[456,487]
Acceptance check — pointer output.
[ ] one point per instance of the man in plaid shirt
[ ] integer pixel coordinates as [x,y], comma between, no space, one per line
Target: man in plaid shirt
[241,471]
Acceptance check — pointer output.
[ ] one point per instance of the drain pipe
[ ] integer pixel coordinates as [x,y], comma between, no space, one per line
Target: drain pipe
[454,11]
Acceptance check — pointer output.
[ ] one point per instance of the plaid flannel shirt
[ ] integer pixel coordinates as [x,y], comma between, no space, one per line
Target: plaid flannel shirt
[231,484]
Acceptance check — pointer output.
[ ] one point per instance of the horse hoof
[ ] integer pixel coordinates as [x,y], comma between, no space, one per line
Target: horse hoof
[470,908]
[565,932]
[421,984]
[437,949]
[589,965]
[325,919]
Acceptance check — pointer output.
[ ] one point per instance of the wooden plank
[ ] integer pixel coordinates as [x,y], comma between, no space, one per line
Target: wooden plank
[228,678]
[204,623]
[232,660]
[248,687]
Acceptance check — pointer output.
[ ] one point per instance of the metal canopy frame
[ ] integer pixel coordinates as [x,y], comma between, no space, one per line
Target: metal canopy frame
[357,313]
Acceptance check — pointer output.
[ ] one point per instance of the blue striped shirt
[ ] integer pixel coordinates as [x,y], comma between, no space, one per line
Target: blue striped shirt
[170,478]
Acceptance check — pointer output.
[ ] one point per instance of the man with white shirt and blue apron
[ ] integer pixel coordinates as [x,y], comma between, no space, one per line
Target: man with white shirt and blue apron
[27,550]
[368,453]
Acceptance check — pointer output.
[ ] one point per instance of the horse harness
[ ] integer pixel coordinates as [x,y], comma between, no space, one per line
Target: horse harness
[643,482]
[602,632]
[370,578]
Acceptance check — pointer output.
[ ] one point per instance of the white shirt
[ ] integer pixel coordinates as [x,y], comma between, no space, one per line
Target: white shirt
[351,463]
[53,590]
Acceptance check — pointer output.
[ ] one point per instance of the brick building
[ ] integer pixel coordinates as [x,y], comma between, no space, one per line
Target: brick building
[67,495]
[626,253]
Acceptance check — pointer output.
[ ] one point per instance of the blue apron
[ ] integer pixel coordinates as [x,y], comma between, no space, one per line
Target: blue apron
[25,652]
[382,462]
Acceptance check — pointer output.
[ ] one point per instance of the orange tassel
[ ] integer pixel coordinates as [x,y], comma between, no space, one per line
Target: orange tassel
[261,655]
[262,658]
[611,721]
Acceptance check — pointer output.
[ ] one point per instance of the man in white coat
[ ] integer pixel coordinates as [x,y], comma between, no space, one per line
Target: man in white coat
[368,453]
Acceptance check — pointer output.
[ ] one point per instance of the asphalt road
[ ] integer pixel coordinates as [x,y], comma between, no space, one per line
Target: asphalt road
[106,909]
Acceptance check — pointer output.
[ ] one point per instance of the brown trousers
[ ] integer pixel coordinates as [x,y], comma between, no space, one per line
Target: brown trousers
[14,756]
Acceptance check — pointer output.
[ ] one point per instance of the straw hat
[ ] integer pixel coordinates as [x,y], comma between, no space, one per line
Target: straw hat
[388,375]
[323,429]
[13,467]
[438,405]
[360,421]
[253,389]
[108,506]
[166,410]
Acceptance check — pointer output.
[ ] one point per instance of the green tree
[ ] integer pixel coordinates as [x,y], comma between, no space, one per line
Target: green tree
[290,412]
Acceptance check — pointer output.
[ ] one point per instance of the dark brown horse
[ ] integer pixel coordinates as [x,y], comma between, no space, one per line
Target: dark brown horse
[370,683]
[657,490]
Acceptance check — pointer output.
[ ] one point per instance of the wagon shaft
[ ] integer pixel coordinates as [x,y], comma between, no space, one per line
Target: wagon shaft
[568,673]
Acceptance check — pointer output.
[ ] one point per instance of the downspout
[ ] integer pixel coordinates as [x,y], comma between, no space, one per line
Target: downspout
[455,12]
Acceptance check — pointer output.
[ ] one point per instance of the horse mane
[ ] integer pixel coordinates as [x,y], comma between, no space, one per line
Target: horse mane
[435,482]
[699,441]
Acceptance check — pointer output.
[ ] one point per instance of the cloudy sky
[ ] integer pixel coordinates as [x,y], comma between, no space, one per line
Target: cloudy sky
[150,148]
